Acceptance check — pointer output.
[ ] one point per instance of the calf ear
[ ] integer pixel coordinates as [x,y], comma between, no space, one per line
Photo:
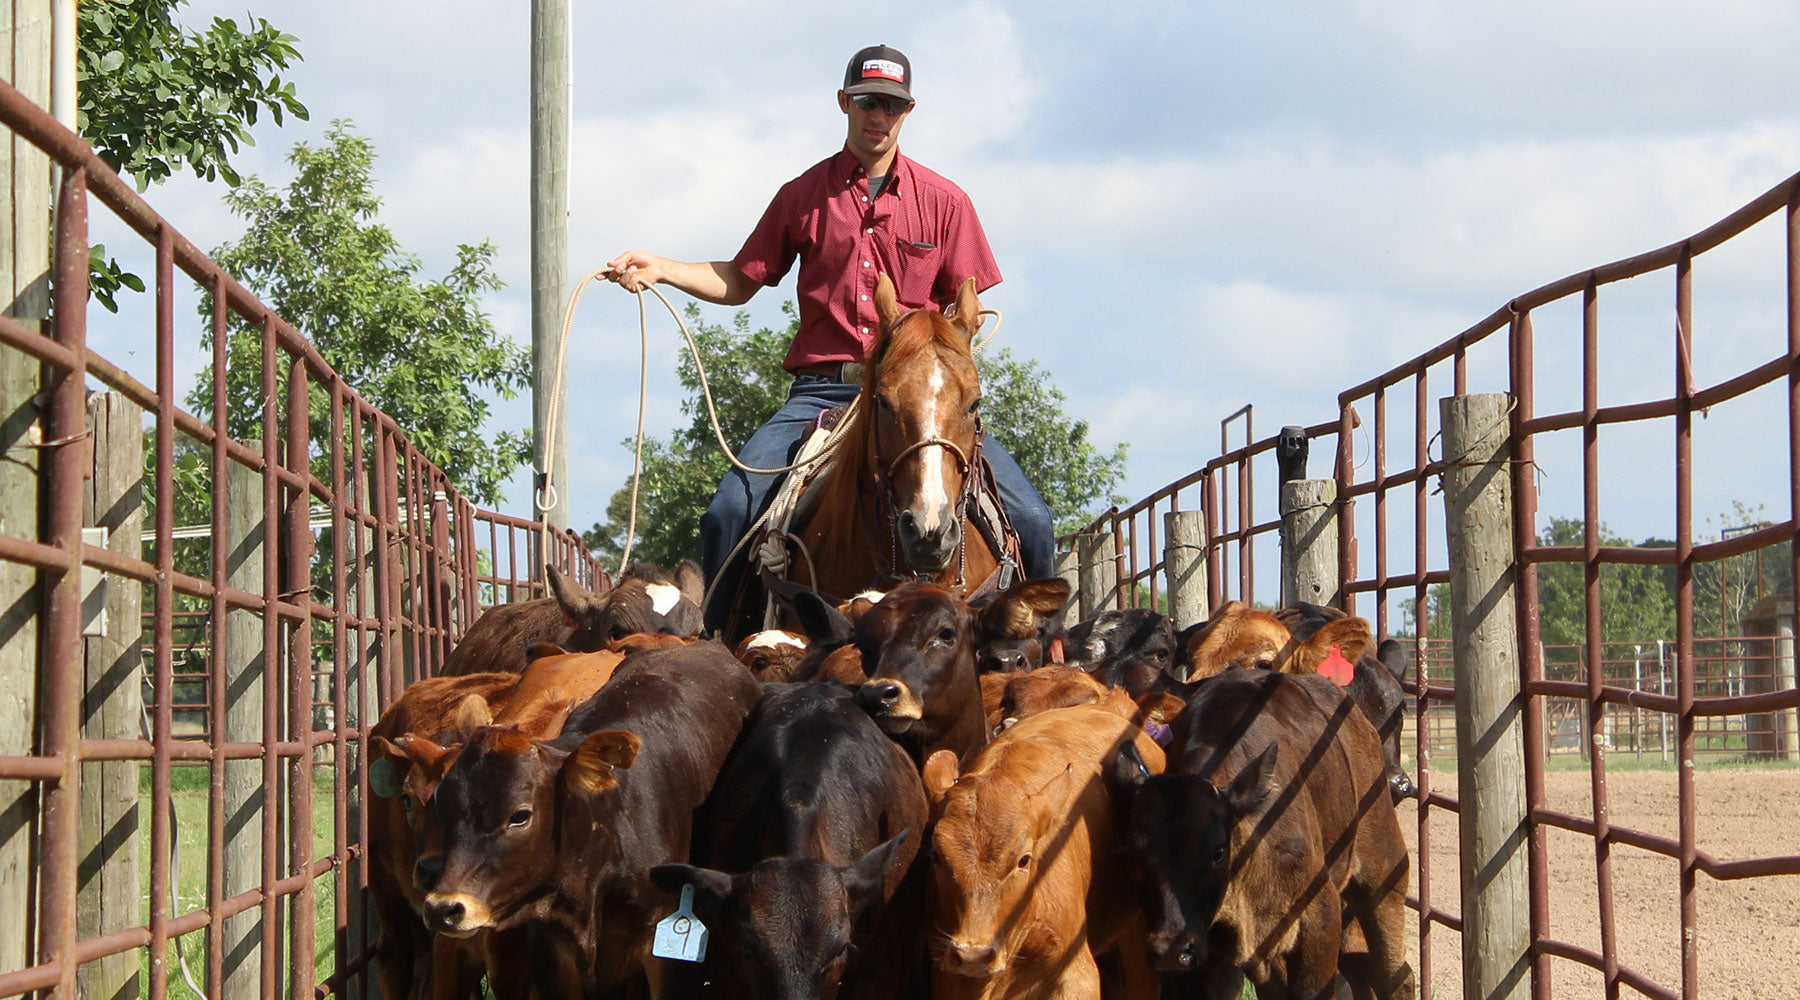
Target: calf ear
[940,772]
[1159,707]
[1250,790]
[576,603]
[1394,657]
[1015,613]
[472,713]
[823,624]
[1349,635]
[543,719]
[544,649]
[712,889]
[1126,772]
[1187,646]
[866,880]
[590,768]
[690,581]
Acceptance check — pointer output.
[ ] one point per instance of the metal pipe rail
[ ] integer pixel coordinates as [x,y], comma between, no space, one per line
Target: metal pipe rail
[370,600]
[1396,568]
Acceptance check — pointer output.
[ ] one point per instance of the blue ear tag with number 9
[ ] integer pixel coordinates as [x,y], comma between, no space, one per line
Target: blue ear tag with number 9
[679,935]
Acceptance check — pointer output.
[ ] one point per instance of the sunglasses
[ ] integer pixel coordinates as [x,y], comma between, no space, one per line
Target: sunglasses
[892,105]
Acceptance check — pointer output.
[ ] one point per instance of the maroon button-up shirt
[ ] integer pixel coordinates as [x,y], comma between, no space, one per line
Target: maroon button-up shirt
[921,231]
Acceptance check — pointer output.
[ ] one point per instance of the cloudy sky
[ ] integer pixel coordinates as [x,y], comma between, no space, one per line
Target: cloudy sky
[1196,205]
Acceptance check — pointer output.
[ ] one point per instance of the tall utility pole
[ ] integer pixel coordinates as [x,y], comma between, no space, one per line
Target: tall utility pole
[549,247]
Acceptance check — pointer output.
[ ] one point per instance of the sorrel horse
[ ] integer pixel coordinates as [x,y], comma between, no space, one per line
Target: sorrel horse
[896,500]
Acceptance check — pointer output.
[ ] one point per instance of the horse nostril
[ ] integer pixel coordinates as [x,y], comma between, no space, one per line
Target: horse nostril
[908,524]
[887,694]
[427,872]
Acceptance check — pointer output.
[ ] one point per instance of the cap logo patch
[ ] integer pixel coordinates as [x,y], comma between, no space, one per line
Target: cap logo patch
[886,69]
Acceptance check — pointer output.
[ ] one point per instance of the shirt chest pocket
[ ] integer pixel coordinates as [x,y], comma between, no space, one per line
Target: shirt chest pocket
[916,270]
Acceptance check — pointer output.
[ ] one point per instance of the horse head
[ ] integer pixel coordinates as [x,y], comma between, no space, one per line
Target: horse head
[923,423]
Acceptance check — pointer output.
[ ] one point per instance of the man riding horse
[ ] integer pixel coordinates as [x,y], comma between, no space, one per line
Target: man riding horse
[864,212]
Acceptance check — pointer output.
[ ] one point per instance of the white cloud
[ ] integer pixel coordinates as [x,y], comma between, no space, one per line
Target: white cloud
[1196,206]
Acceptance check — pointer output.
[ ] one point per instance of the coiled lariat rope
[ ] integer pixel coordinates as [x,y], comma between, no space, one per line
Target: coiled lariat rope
[545,496]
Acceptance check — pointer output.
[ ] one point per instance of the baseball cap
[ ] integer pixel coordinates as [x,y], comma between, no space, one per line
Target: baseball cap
[879,70]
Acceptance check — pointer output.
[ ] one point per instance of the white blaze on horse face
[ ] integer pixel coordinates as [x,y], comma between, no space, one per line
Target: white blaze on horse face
[934,496]
[663,597]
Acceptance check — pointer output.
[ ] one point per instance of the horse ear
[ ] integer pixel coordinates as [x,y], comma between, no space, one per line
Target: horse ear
[968,309]
[887,302]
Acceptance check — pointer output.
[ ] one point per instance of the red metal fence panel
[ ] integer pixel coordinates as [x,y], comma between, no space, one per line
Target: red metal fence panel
[1726,694]
[368,564]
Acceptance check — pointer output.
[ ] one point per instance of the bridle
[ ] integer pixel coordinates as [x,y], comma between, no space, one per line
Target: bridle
[888,504]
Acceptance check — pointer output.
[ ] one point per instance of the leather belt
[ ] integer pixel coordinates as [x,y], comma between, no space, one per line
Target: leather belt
[843,372]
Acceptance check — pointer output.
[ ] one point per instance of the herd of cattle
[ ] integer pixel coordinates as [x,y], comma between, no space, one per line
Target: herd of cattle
[912,798]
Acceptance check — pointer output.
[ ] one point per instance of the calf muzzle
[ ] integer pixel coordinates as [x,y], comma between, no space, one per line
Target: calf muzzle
[1177,952]
[974,961]
[455,914]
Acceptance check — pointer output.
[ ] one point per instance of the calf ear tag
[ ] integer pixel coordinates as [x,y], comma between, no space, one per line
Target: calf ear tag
[1340,670]
[680,935]
[382,779]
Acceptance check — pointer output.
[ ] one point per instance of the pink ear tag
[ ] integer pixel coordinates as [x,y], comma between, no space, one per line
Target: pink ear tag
[1340,670]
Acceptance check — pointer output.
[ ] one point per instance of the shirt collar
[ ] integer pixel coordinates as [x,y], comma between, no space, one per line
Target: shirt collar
[844,167]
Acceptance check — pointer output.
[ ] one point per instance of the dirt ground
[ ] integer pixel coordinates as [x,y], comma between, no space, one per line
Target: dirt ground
[1749,929]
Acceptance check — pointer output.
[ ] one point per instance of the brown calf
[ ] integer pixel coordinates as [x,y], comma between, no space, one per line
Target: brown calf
[921,641]
[560,835]
[1271,829]
[401,790]
[1027,884]
[646,599]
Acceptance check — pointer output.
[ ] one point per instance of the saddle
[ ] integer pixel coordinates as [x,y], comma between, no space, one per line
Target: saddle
[772,554]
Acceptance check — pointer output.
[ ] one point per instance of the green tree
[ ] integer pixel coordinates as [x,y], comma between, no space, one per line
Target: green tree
[1021,407]
[421,350]
[155,96]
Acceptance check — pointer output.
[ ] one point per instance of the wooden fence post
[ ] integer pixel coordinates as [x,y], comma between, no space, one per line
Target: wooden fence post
[1068,568]
[246,534]
[1184,566]
[109,897]
[20,603]
[25,202]
[1490,744]
[1096,556]
[1309,543]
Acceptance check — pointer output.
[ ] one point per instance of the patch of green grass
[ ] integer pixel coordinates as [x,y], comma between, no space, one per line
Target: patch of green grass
[189,787]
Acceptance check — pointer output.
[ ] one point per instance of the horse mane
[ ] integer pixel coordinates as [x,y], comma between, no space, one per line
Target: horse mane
[851,479]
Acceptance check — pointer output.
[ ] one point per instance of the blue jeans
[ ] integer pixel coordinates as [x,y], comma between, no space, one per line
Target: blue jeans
[742,497]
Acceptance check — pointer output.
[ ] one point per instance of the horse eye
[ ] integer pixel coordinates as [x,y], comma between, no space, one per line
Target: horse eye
[975,404]
[519,818]
[946,636]
[1024,861]
[406,803]
[1218,857]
